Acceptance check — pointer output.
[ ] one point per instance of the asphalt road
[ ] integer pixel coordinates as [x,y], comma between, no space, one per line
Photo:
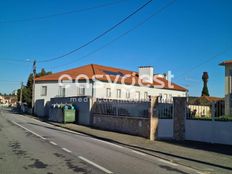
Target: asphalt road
[30,146]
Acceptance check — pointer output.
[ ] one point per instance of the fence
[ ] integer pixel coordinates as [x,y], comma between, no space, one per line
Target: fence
[165,113]
[121,108]
[212,110]
[164,108]
[178,119]
[122,116]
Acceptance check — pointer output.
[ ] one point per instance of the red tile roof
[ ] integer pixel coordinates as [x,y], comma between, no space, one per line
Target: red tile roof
[212,99]
[227,62]
[94,69]
[204,100]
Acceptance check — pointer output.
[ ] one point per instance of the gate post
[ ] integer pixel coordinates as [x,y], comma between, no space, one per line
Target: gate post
[153,118]
[180,104]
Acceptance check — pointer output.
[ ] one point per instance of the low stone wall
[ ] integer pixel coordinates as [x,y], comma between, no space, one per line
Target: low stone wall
[130,125]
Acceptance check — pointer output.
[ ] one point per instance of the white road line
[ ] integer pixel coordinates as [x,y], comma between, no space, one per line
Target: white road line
[140,153]
[53,143]
[94,164]
[52,125]
[28,130]
[77,133]
[167,162]
[69,151]
[90,162]
[102,141]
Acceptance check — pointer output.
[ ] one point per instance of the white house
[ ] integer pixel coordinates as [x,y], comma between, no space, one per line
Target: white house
[106,82]
[228,86]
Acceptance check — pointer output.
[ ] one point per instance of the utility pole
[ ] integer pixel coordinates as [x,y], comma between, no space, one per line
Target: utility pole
[33,86]
[21,94]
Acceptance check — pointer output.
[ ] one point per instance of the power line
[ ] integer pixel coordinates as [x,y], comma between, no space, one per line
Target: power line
[15,60]
[99,36]
[64,13]
[204,62]
[123,34]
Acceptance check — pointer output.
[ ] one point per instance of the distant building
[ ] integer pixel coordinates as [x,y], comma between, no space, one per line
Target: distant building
[2,100]
[228,86]
[8,100]
[202,106]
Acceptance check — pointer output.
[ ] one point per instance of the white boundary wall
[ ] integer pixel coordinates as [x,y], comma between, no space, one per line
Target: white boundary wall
[165,129]
[209,131]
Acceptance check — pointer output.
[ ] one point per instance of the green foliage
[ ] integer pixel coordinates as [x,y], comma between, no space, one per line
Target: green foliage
[27,90]
[205,91]
[198,101]
[221,118]
[200,118]
[224,118]
[43,73]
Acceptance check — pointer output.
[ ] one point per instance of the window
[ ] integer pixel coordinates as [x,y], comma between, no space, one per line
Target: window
[145,95]
[81,90]
[165,96]
[108,92]
[118,93]
[160,98]
[230,72]
[61,91]
[127,94]
[44,91]
[137,95]
[170,97]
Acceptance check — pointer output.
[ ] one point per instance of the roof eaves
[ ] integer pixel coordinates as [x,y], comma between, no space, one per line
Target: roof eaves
[227,62]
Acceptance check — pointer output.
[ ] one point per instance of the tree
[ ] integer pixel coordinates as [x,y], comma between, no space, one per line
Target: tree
[205,91]
[27,90]
[43,73]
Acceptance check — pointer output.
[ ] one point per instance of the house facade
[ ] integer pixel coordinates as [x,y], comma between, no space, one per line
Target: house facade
[106,83]
[205,107]
[228,86]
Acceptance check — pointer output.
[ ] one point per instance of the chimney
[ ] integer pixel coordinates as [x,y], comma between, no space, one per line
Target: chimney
[146,73]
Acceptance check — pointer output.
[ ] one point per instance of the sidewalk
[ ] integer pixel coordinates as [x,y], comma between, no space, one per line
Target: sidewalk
[209,158]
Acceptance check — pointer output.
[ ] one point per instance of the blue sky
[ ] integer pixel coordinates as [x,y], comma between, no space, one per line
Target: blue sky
[188,37]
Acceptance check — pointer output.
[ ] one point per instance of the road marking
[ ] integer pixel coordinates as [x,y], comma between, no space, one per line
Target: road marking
[69,151]
[53,143]
[140,153]
[28,130]
[167,162]
[70,131]
[52,125]
[92,163]
[112,144]
[95,165]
